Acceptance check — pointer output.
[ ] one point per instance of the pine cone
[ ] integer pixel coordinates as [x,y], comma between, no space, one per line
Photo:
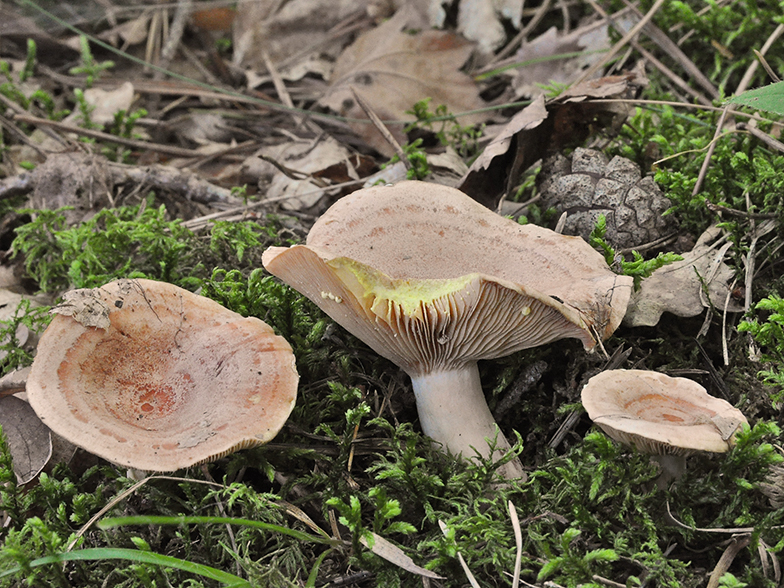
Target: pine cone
[587,185]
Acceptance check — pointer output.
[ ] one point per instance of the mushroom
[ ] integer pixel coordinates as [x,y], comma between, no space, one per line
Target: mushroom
[665,417]
[153,377]
[433,281]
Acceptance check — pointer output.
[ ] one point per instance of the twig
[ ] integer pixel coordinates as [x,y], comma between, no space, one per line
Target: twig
[589,73]
[672,49]
[114,501]
[726,559]
[101,136]
[607,582]
[732,212]
[381,127]
[518,535]
[241,210]
[768,70]
[762,136]
[709,154]
[752,69]
[181,14]
[185,183]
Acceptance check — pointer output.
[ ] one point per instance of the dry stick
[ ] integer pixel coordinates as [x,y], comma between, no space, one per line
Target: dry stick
[739,213]
[709,154]
[606,582]
[101,136]
[726,559]
[181,14]
[19,110]
[673,77]
[764,137]
[223,513]
[185,183]
[768,70]
[518,535]
[195,223]
[381,128]
[745,81]
[17,132]
[724,346]
[672,49]
[280,87]
[752,69]
[620,44]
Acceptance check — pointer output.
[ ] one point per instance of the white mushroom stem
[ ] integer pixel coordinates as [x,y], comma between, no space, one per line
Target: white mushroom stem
[453,411]
[672,469]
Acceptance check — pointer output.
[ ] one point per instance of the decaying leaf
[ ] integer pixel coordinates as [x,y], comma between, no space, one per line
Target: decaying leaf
[294,34]
[28,438]
[579,49]
[302,160]
[541,128]
[105,104]
[392,67]
[86,307]
[679,287]
[392,553]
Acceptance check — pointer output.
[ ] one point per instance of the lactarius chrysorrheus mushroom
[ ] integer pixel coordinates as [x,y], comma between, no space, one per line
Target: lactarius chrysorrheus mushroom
[153,377]
[665,417]
[434,281]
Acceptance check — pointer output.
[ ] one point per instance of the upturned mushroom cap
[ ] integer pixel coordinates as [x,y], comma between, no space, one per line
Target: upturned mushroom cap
[658,414]
[428,277]
[153,377]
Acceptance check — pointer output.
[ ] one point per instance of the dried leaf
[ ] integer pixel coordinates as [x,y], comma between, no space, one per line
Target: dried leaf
[28,438]
[392,69]
[581,49]
[677,287]
[105,103]
[301,159]
[542,127]
[517,146]
[86,307]
[294,33]
[393,554]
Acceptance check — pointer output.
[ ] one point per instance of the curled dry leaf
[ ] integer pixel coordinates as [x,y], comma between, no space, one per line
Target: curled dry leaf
[679,287]
[541,128]
[28,438]
[392,69]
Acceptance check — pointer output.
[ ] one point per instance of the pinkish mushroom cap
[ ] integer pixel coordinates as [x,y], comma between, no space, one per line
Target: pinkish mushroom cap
[153,377]
[661,415]
[434,281]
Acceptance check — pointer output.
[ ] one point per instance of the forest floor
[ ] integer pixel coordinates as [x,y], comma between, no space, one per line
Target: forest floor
[177,142]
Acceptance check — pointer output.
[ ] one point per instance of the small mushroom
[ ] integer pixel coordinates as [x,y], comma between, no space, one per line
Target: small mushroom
[665,417]
[433,281]
[153,377]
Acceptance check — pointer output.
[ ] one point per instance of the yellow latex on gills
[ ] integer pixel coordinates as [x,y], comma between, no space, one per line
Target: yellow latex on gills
[375,287]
